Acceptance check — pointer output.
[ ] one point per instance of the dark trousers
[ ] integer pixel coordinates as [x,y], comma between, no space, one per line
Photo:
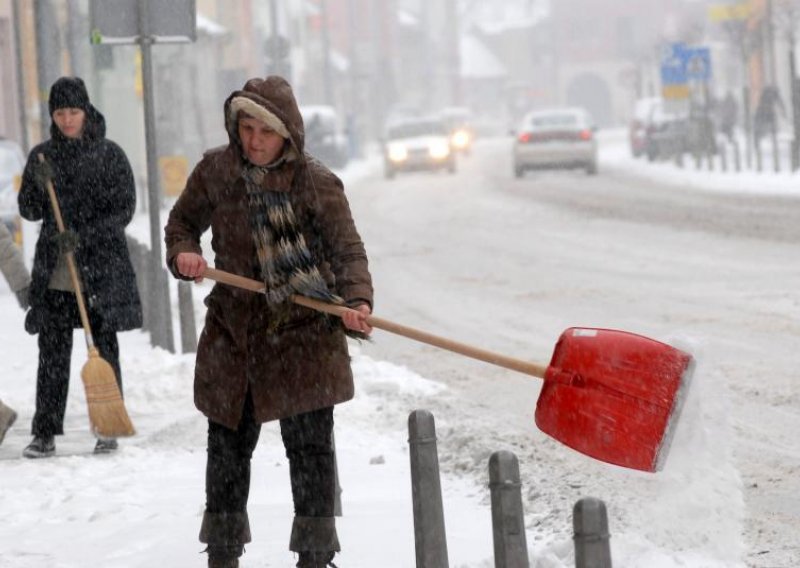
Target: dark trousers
[307,439]
[52,379]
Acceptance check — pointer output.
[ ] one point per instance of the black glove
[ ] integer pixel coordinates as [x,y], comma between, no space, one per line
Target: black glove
[22,297]
[42,173]
[66,241]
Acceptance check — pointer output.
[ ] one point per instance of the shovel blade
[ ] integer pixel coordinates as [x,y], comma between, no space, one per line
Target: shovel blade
[614,396]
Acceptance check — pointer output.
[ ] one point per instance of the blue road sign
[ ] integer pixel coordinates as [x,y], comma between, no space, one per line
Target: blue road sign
[681,64]
[673,65]
[698,64]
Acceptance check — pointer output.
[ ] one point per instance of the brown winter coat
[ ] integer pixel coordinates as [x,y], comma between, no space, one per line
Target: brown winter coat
[303,365]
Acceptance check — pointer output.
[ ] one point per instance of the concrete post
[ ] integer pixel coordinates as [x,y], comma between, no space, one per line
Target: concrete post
[426,491]
[590,526]
[508,521]
[146,288]
[186,313]
[161,324]
[161,333]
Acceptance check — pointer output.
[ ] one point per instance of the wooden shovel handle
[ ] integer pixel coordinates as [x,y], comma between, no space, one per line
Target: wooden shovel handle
[422,336]
[73,271]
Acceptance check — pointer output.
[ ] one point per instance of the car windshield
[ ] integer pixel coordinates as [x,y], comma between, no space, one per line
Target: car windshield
[412,129]
[554,121]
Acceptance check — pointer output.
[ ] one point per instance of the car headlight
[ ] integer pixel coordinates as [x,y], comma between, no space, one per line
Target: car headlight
[439,149]
[397,152]
[460,138]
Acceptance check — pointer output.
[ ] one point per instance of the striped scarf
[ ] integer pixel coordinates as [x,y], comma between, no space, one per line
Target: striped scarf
[284,258]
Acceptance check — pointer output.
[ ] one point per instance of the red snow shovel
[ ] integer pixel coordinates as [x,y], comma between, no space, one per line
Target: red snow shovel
[612,395]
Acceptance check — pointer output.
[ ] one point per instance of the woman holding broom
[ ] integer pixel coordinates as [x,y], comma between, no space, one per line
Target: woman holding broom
[96,193]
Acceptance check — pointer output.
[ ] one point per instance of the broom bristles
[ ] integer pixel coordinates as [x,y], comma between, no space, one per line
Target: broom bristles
[107,414]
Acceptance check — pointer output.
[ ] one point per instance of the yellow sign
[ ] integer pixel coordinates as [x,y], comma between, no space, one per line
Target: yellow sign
[174,172]
[675,91]
[138,84]
[728,12]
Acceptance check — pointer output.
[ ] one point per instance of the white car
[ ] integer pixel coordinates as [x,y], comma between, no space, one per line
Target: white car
[417,144]
[557,138]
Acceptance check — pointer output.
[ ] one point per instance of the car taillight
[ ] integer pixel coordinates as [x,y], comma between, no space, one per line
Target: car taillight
[585,134]
[525,137]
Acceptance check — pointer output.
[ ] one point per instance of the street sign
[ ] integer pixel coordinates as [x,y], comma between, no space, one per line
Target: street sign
[698,64]
[727,12]
[117,21]
[682,65]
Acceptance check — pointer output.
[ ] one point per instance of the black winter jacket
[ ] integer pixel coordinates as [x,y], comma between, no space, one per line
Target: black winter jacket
[96,192]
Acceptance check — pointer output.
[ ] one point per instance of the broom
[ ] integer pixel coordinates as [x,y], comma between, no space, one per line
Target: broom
[107,414]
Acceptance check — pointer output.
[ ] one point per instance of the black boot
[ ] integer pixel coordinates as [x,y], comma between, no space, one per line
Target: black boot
[310,559]
[225,534]
[224,556]
[315,540]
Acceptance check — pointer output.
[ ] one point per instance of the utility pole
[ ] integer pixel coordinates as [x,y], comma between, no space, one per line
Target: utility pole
[20,76]
[161,330]
[77,32]
[276,46]
[48,60]
[770,29]
[327,79]
[354,99]
[453,59]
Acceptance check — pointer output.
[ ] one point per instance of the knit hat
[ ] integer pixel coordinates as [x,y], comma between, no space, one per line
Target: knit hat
[68,92]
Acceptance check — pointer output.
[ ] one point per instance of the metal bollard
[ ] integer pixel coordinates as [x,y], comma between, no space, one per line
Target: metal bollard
[161,331]
[508,520]
[141,264]
[590,527]
[135,253]
[337,495]
[430,539]
[186,314]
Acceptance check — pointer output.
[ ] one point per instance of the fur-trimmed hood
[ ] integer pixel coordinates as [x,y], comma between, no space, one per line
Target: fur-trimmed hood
[272,101]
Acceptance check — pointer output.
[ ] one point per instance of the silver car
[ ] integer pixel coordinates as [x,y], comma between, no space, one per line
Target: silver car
[557,138]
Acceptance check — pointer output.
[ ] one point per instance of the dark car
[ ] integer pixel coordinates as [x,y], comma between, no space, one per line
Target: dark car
[417,144]
[323,135]
[665,131]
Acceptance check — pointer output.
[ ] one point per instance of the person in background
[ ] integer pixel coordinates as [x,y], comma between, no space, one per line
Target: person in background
[96,193]
[13,268]
[279,216]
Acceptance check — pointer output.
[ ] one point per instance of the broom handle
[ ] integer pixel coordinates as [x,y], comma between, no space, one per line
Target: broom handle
[73,271]
[422,336]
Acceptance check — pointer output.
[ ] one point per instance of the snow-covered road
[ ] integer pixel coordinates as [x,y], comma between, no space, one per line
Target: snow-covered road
[506,265]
